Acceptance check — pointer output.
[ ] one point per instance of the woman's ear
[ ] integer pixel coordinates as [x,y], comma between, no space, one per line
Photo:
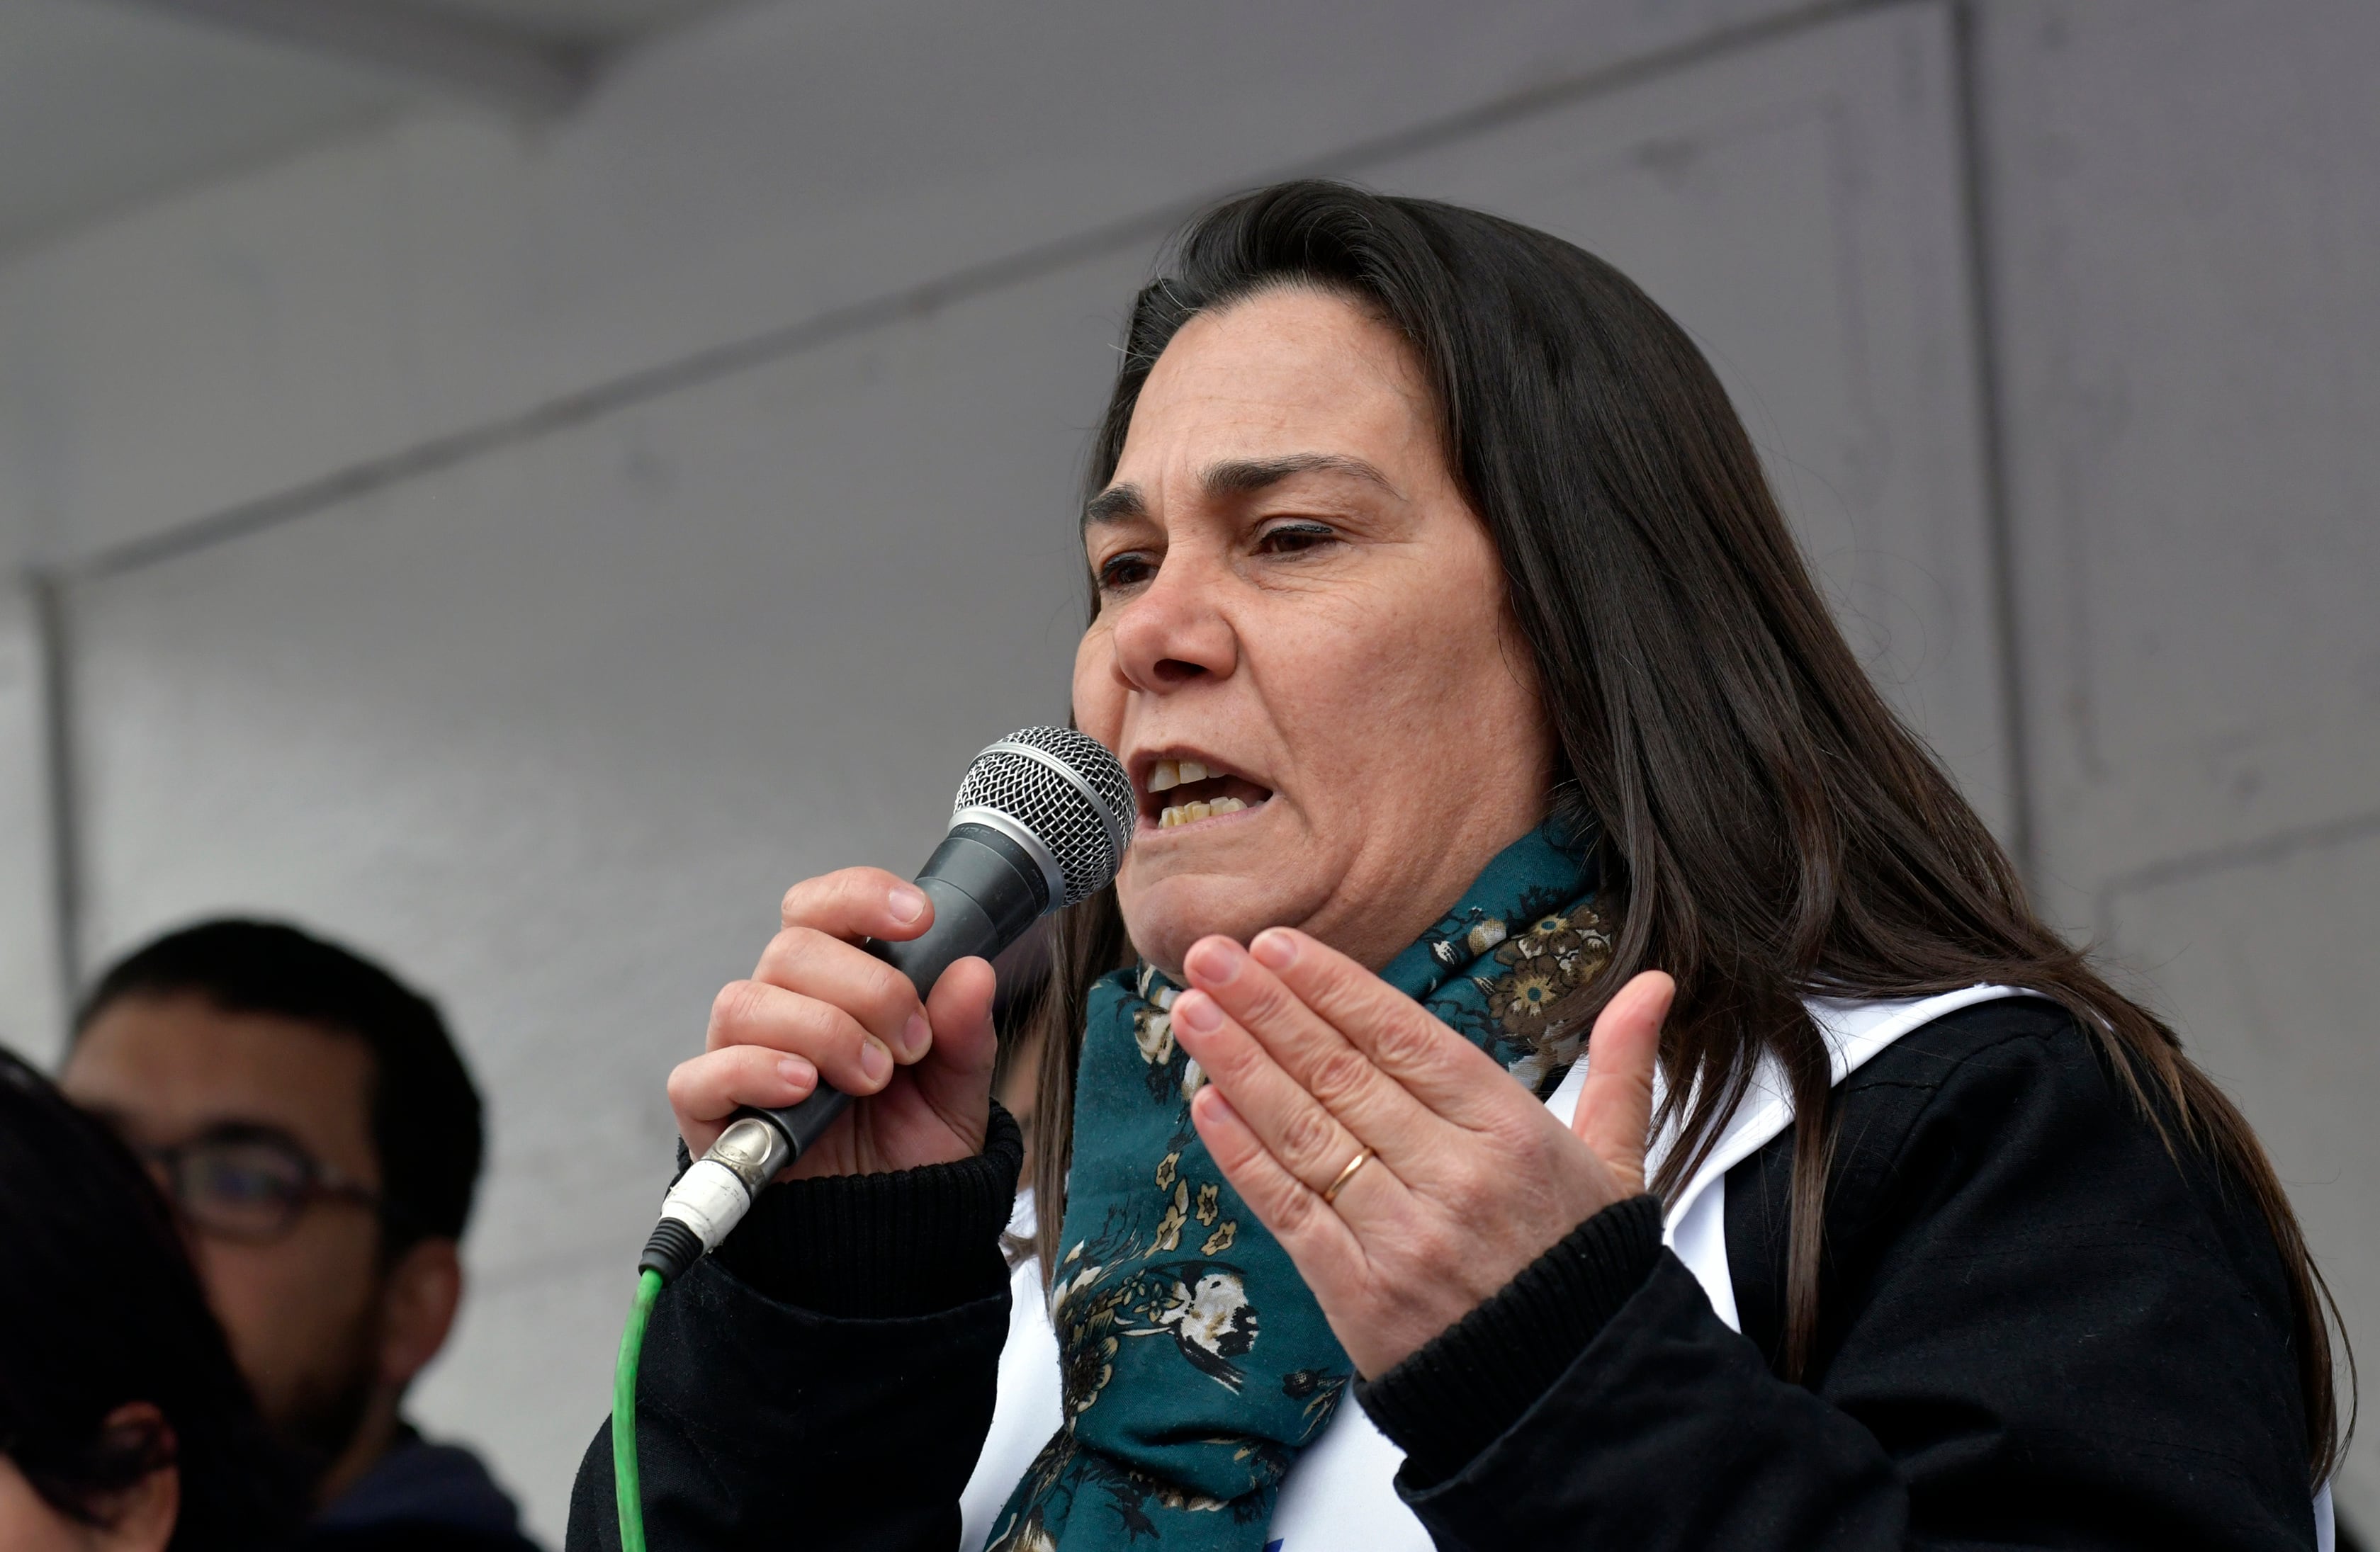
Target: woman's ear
[141,1517]
[423,1291]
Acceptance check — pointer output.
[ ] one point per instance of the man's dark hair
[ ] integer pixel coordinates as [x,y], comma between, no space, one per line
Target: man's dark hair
[100,1308]
[426,1124]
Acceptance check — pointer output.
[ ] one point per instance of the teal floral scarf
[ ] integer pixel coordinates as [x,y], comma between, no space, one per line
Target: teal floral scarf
[1196,1366]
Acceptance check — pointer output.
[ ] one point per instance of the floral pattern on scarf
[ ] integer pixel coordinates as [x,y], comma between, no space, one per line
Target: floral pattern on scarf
[1195,1364]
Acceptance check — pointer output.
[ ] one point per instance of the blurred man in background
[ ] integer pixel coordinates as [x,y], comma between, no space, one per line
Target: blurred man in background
[311,1117]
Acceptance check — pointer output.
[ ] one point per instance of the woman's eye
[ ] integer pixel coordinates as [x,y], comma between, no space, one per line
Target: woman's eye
[1293,538]
[1127,570]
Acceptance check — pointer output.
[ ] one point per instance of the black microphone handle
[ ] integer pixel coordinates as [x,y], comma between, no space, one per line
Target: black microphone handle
[986,889]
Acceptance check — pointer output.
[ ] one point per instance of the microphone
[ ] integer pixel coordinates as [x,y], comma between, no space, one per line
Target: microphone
[1040,822]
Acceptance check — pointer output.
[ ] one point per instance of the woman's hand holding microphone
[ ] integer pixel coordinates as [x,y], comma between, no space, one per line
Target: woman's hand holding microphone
[919,1075]
[1406,1173]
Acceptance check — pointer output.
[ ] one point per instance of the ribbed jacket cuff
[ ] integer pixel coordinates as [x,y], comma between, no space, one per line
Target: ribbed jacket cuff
[1473,1381]
[912,1242]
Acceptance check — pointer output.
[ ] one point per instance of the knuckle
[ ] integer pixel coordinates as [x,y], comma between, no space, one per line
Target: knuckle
[1326,978]
[888,991]
[793,955]
[1534,1137]
[823,897]
[1267,999]
[863,890]
[1229,1059]
[1297,1213]
[1306,1137]
[807,962]
[694,1084]
[1409,1042]
[807,900]
[734,1006]
[1339,1075]
[834,1033]
[773,965]
[1341,991]
[1433,1246]
[1469,1193]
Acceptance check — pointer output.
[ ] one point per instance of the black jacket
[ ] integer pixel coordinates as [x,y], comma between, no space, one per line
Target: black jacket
[2037,1329]
[420,1497]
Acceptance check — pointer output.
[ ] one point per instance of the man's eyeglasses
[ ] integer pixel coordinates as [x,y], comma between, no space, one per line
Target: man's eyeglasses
[251,1182]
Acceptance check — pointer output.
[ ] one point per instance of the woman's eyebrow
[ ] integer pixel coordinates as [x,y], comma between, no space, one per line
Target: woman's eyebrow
[1241,477]
[1114,505]
[1236,476]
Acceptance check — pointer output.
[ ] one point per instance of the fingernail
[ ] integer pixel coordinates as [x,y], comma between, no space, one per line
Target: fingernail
[793,1070]
[1274,950]
[915,1035]
[1215,961]
[1196,1011]
[876,1061]
[908,904]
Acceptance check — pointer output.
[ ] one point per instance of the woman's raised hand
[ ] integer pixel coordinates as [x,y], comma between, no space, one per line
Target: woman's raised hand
[1313,1060]
[919,1073]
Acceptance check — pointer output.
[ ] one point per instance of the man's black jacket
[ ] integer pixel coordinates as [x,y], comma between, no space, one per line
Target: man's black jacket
[2037,1329]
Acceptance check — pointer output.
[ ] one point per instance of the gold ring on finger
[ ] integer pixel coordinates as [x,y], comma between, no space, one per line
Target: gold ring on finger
[1330,1194]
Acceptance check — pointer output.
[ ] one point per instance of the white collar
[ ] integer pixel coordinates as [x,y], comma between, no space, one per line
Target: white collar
[1855,1031]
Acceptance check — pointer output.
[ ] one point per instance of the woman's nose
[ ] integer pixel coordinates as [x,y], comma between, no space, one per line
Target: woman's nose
[1175,633]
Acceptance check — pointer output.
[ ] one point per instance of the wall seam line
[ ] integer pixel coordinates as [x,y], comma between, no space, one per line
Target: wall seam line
[1999,525]
[2278,846]
[61,797]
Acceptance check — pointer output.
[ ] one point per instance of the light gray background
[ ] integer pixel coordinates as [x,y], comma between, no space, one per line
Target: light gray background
[524,547]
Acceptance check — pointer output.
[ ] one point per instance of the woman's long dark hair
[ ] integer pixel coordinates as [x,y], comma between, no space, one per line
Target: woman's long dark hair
[99,1306]
[1769,827]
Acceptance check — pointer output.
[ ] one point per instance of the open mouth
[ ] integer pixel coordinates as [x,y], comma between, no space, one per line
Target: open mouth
[1186,792]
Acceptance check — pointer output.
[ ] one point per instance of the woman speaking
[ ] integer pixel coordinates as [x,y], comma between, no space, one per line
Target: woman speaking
[1475,698]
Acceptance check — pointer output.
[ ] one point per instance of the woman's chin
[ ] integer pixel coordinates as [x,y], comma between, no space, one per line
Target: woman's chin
[1165,915]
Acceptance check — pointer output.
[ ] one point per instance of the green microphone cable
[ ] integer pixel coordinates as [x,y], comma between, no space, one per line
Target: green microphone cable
[623,1414]
[701,1209]
[1040,822]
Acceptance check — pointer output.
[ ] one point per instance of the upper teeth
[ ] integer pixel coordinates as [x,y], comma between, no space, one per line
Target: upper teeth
[1190,812]
[1167,774]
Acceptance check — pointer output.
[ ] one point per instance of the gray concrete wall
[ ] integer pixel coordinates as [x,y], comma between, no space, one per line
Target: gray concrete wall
[2184,230]
[523,551]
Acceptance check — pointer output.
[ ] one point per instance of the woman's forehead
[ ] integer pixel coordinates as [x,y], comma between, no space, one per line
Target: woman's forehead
[1290,376]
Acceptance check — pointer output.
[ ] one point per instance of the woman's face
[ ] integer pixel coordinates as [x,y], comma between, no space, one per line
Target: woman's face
[1295,598]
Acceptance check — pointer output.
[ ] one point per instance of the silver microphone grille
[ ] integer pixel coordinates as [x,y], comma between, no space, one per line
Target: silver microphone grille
[1068,789]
